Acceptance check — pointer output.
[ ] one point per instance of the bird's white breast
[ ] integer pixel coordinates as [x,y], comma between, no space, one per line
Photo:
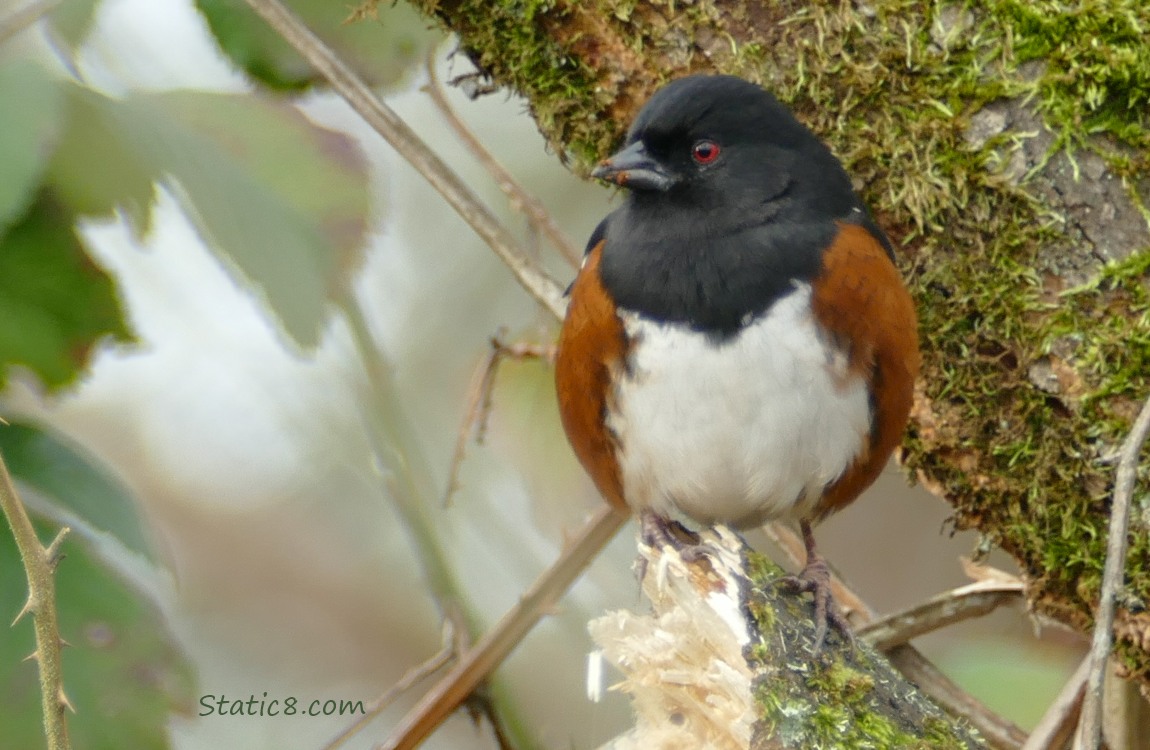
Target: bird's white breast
[751,428]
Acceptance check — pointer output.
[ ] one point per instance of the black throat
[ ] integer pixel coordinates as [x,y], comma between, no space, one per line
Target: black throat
[713,272]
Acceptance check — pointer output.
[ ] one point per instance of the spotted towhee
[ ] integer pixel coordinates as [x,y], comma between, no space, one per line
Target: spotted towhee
[738,346]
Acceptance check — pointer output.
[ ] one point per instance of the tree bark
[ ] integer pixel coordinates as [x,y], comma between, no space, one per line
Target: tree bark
[1006,151]
[726,660]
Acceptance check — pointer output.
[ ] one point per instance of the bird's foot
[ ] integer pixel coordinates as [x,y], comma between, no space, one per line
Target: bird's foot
[815,578]
[658,532]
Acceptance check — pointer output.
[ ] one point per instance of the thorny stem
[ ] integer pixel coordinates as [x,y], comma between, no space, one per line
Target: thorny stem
[1113,573]
[39,566]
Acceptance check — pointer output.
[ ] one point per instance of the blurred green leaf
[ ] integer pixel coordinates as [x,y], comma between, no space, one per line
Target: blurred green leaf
[123,673]
[71,487]
[381,50]
[54,302]
[282,201]
[96,170]
[72,20]
[28,133]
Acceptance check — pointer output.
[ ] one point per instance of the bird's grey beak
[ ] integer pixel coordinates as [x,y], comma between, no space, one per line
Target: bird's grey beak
[634,168]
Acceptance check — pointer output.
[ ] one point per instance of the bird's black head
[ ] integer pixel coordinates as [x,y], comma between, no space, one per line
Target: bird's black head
[730,200]
[721,142]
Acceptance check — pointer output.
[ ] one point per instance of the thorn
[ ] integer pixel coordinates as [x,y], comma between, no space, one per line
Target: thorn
[28,607]
[62,699]
[52,551]
[64,643]
[34,656]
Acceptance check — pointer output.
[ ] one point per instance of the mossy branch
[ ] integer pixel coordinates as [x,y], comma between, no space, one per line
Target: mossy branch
[40,566]
[724,660]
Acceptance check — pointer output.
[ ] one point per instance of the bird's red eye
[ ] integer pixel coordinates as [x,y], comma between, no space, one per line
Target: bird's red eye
[705,152]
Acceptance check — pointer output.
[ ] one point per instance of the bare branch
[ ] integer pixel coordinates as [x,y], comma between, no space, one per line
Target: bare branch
[950,607]
[405,683]
[494,647]
[22,18]
[1113,575]
[406,472]
[1056,726]
[409,145]
[520,199]
[39,565]
[479,394]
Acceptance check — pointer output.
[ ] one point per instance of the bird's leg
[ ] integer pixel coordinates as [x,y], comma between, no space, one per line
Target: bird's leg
[658,532]
[815,578]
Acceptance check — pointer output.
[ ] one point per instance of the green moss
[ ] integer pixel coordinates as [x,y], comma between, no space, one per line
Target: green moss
[1095,62]
[1026,465]
[858,690]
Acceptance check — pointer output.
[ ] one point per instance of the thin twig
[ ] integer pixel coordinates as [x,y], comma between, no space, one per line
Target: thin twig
[22,18]
[410,678]
[479,394]
[408,475]
[1056,726]
[520,199]
[948,608]
[40,567]
[494,647]
[1000,733]
[405,141]
[1113,574]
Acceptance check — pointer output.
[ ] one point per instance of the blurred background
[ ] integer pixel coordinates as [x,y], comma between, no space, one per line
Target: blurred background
[281,564]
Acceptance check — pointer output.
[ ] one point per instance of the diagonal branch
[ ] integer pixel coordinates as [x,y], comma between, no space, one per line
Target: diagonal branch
[1113,574]
[40,567]
[1056,726]
[520,199]
[474,666]
[948,608]
[412,148]
[25,16]
[414,675]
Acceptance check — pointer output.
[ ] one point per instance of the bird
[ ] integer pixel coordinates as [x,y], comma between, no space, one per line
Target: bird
[739,345]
